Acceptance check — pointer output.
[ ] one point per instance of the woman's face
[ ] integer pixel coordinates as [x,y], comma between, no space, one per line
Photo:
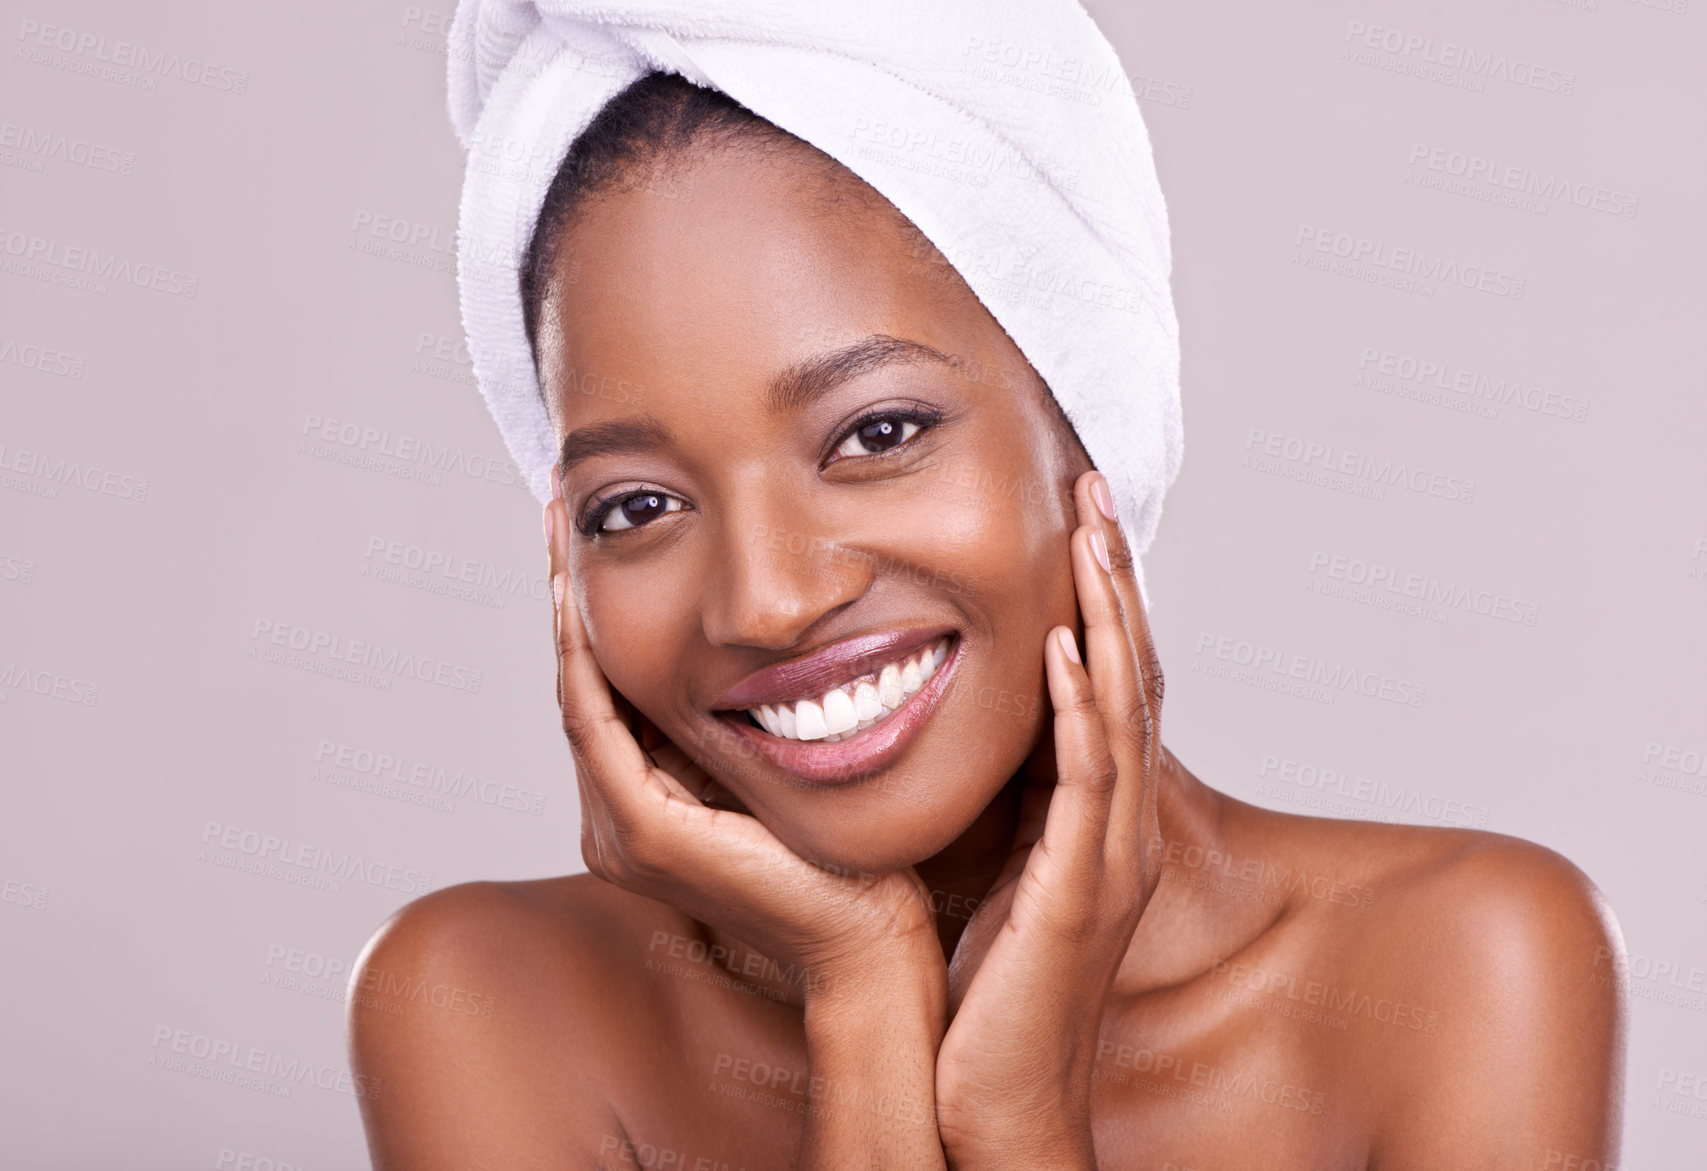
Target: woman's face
[799,450]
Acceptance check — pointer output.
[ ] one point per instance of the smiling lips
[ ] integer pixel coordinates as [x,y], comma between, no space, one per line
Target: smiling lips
[846,711]
[853,706]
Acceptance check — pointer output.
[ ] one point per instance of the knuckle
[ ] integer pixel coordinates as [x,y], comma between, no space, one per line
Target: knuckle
[591,854]
[1120,557]
[580,731]
[1135,714]
[1083,705]
[637,853]
[1153,676]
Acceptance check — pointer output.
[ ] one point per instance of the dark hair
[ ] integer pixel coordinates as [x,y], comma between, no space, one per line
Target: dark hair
[656,119]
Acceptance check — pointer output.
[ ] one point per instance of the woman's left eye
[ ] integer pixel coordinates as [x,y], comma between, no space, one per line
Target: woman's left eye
[634,510]
[878,436]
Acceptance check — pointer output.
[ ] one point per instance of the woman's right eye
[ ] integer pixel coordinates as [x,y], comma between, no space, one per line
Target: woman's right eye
[631,510]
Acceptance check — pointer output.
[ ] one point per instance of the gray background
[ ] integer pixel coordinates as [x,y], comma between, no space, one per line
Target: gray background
[145,719]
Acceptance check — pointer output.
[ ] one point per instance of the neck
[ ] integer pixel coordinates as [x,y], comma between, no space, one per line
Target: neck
[1187,810]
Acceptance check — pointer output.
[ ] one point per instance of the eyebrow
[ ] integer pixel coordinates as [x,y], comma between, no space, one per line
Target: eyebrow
[611,437]
[791,389]
[803,382]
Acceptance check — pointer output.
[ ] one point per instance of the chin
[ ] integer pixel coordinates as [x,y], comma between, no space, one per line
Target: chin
[900,816]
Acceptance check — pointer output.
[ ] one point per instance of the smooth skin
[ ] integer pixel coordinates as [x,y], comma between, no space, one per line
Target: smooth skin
[1035,941]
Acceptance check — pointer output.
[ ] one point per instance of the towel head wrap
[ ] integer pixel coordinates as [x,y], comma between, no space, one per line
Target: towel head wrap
[1005,130]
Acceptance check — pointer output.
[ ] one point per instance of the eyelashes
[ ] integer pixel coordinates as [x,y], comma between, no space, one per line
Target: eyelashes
[633,509]
[873,436]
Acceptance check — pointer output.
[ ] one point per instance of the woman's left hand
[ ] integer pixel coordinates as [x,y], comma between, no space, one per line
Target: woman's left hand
[1030,974]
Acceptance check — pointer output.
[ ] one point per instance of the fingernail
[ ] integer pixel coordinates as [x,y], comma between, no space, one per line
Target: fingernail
[550,525]
[558,582]
[1100,548]
[1100,494]
[1069,647]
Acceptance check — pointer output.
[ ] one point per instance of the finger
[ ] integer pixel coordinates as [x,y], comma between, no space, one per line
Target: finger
[641,818]
[1099,506]
[606,754]
[596,829]
[1135,713]
[1109,657]
[1077,821]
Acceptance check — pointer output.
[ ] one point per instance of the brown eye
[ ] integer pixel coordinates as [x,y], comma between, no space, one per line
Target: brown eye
[636,509]
[878,436]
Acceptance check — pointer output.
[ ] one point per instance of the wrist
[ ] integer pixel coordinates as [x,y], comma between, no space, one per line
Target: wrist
[898,986]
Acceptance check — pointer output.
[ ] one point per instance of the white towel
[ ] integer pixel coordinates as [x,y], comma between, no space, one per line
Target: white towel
[1005,130]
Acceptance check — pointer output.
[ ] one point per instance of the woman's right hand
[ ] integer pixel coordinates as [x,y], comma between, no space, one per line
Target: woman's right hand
[645,828]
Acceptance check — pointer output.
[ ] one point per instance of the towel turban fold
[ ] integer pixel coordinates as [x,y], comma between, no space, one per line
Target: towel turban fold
[1005,130]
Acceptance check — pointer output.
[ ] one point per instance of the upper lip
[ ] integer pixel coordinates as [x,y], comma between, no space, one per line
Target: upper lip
[813,674]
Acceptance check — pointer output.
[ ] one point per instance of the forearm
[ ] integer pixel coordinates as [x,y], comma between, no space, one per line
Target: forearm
[871,1043]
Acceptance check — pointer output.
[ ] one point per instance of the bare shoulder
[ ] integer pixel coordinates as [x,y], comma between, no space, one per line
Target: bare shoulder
[1501,965]
[1490,908]
[484,1015]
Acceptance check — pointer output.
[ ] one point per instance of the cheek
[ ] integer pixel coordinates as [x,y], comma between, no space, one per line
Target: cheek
[630,624]
[1010,544]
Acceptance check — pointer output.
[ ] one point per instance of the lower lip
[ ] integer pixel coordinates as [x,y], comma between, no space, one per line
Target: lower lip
[849,760]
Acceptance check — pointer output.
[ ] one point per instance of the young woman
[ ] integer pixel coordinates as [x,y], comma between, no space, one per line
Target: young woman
[889,865]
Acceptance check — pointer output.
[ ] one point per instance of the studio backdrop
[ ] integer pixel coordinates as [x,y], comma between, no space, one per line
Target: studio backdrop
[275,627]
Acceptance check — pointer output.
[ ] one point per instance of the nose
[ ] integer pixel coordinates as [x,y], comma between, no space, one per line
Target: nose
[774,577]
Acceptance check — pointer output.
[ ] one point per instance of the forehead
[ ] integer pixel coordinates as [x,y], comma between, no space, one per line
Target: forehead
[721,268]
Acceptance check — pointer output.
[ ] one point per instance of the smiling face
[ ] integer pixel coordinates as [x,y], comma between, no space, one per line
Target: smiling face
[805,465]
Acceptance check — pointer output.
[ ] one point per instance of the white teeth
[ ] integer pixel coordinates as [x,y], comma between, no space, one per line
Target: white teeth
[809,721]
[889,687]
[927,665]
[836,714]
[839,714]
[866,704]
